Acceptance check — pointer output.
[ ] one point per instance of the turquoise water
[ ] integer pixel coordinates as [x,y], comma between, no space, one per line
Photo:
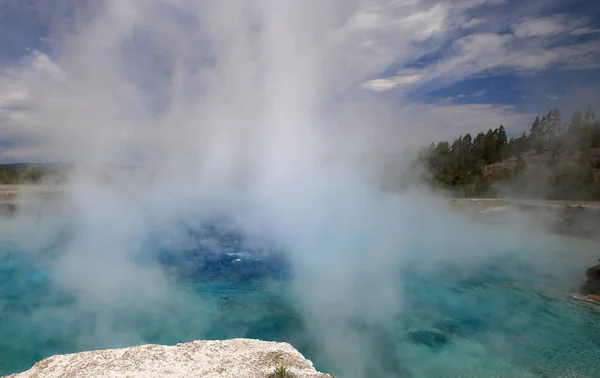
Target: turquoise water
[501,317]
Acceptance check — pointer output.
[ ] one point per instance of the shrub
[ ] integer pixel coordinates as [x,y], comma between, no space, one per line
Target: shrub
[281,371]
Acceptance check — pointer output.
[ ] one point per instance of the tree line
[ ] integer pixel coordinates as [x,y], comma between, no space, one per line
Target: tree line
[16,174]
[556,155]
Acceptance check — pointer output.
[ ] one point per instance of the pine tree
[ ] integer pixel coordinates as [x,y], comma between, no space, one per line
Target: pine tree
[535,127]
[455,149]
[576,122]
[479,147]
[553,128]
[554,122]
[465,152]
[501,142]
[489,155]
[590,117]
[538,134]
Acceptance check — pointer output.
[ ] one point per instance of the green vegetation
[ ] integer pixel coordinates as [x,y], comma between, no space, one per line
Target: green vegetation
[282,371]
[15,174]
[554,160]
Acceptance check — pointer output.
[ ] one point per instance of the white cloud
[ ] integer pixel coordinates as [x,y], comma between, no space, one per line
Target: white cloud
[403,77]
[382,33]
[578,56]
[471,54]
[426,23]
[585,31]
[469,4]
[381,85]
[473,23]
[492,54]
[540,27]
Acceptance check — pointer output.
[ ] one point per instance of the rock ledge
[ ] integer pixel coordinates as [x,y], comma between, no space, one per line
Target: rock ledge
[229,358]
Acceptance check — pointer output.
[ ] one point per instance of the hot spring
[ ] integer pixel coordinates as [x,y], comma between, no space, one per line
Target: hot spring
[235,169]
[492,302]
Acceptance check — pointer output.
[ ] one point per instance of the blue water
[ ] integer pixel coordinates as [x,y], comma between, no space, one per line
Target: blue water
[502,317]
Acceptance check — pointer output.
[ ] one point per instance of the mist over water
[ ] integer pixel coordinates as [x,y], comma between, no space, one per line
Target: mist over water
[254,208]
[491,304]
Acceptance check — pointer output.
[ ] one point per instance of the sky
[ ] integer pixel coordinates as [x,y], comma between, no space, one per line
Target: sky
[278,115]
[435,69]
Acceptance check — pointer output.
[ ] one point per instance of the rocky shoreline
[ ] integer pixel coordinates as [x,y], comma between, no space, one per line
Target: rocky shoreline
[590,290]
[593,299]
[570,218]
[215,359]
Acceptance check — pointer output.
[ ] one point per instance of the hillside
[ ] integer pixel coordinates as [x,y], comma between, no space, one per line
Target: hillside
[554,160]
[568,176]
[536,162]
[19,174]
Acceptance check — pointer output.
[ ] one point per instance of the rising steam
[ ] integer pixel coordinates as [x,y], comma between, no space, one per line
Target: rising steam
[206,109]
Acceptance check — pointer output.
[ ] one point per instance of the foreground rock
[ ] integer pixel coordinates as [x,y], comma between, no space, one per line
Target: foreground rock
[231,358]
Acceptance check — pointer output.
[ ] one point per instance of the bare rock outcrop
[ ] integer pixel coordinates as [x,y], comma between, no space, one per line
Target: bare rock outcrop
[592,284]
[229,358]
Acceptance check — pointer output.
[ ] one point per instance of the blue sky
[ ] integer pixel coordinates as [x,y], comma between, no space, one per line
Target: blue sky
[445,67]
[533,55]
